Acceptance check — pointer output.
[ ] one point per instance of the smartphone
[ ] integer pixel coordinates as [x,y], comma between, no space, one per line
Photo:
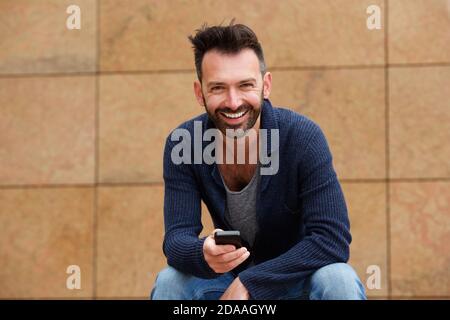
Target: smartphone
[228,237]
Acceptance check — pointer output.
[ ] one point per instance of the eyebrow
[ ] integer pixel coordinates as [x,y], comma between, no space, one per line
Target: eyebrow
[215,83]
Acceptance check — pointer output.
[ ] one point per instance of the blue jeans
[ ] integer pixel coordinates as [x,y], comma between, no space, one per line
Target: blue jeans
[337,281]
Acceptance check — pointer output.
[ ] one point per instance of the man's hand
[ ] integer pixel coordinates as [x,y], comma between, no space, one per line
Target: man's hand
[223,258]
[236,291]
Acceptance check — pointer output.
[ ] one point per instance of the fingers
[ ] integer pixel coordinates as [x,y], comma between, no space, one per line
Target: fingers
[223,258]
[230,256]
[234,263]
[218,250]
[222,267]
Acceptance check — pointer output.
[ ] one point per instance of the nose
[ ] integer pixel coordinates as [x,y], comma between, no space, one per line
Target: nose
[233,99]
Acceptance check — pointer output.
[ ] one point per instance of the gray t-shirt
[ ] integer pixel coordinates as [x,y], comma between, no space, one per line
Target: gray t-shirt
[240,210]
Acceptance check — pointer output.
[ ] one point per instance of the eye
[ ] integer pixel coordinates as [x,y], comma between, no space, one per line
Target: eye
[247,85]
[216,88]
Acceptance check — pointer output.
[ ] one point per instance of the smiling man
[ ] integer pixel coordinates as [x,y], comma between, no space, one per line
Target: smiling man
[293,222]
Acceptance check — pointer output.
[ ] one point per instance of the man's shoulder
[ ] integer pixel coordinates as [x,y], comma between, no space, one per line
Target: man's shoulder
[301,136]
[294,123]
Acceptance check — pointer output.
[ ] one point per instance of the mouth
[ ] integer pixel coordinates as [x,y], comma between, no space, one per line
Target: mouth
[234,117]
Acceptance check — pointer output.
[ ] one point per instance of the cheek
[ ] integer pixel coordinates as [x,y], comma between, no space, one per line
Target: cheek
[213,102]
[253,98]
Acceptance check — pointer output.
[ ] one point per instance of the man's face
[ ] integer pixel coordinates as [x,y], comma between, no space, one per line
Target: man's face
[232,89]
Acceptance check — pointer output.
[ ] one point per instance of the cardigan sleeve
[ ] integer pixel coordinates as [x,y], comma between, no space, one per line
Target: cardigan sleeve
[327,236]
[182,218]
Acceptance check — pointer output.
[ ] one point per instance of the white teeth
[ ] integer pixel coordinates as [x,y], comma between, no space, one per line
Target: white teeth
[233,115]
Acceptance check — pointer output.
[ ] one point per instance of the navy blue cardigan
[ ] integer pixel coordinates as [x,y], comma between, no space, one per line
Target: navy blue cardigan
[301,211]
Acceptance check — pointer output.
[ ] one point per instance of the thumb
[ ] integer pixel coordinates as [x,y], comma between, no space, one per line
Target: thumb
[214,232]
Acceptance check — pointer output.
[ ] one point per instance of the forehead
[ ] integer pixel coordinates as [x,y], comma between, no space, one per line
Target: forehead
[230,66]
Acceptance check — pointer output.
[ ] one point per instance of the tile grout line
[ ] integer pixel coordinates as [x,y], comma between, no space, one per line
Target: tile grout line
[84,185]
[181,71]
[161,183]
[96,161]
[418,64]
[387,149]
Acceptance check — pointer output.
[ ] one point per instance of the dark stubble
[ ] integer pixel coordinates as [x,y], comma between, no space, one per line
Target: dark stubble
[253,114]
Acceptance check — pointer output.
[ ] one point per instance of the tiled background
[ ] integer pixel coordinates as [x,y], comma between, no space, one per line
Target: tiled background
[83,116]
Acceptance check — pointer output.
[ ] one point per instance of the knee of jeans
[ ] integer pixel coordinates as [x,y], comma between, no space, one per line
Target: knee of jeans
[337,281]
[169,284]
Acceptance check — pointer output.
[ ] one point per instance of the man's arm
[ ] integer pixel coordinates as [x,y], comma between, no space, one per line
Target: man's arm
[182,219]
[327,236]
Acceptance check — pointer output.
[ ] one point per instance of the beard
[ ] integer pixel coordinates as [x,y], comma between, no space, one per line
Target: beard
[252,112]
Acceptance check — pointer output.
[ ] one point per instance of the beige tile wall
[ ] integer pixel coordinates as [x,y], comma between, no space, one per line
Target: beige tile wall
[84,114]
[35,38]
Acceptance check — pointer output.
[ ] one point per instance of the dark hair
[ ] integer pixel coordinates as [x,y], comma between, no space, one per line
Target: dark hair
[227,39]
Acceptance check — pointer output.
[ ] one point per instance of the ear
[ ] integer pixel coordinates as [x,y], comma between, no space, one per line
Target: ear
[267,85]
[198,92]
